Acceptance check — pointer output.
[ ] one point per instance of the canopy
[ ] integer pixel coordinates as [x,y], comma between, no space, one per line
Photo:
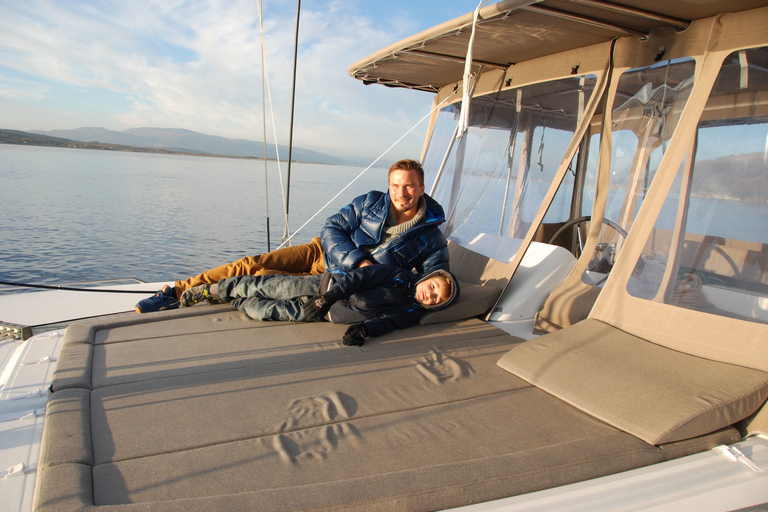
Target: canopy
[514,31]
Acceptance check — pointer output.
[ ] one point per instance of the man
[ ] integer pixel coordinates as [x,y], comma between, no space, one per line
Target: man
[399,227]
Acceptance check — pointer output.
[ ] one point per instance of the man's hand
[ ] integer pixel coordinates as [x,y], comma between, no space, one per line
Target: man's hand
[364,263]
[355,335]
[318,306]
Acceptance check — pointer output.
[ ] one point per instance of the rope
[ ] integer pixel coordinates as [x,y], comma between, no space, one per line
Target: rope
[688,293]
[264,119]
[71,289]
[274,127]
[364,171]
[466,94]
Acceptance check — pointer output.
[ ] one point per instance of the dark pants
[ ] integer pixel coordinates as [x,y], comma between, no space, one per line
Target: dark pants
[270,297]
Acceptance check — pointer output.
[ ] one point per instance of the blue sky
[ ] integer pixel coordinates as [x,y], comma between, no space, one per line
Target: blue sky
[197,65]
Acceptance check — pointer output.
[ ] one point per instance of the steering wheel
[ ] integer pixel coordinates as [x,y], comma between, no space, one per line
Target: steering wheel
[586,218]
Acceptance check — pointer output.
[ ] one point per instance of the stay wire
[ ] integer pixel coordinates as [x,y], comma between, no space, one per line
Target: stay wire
[74,289]
[364,171]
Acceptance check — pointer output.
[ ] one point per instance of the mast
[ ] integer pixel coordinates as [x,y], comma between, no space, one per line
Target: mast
[290,136]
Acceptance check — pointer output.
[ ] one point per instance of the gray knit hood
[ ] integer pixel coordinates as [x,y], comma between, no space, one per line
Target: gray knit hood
[454,289]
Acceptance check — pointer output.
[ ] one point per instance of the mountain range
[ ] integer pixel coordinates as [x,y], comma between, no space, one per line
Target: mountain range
[174,139]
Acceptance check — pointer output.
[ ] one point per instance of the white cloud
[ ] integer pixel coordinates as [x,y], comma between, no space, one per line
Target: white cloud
[197,65]
[12,88]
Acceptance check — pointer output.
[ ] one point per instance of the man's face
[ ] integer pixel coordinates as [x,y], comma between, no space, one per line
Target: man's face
[405,189]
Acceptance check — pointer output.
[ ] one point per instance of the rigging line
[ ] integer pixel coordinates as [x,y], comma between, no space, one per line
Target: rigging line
[73,289]
[464,115]
[264,120]
[286,237]
[274,136]
[366,169]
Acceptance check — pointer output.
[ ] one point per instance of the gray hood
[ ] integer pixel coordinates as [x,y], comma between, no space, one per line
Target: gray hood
[454,289]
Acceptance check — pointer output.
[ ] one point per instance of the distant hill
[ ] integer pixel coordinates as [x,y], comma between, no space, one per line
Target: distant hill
[35,139]
[178,140]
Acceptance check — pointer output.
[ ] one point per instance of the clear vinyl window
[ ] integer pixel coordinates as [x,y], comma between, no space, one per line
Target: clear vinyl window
[708,248]
[496,175]
[646,111]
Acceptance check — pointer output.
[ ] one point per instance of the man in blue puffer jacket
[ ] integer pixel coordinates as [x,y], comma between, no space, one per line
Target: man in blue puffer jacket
[399,227]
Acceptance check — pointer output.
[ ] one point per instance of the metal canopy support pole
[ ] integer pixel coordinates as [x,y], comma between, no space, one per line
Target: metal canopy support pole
[678,23]
[511,156]
[445,160]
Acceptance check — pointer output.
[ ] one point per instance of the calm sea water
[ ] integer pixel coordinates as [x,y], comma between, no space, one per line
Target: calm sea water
[73,215]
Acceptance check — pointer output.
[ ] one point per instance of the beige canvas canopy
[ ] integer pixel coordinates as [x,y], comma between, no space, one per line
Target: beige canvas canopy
[523,43]
[515,31]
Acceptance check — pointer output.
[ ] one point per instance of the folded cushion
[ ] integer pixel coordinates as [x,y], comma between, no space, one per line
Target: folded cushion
[652,392]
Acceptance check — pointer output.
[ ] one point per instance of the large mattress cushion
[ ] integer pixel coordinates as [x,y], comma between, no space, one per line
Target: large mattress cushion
[652,392]
[208,410]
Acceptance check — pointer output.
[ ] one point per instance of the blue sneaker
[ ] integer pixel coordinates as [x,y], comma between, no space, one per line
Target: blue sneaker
[162,300]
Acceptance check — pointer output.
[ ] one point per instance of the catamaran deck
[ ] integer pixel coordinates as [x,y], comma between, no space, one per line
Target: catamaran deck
[205,409]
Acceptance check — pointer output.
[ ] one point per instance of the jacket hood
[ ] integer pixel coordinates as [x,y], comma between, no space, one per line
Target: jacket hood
[455,289]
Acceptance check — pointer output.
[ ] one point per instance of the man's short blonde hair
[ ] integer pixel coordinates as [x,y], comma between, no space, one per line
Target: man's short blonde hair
[408,165]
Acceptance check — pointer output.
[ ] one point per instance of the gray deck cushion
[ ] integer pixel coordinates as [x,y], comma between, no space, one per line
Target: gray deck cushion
[474,300]
[482,280]
[650,391]
[218,412]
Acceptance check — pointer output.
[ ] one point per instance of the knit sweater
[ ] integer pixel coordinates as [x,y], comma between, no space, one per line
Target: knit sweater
[392,229]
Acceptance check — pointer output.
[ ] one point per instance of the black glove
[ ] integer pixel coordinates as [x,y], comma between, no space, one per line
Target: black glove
[355,335]
[318,306]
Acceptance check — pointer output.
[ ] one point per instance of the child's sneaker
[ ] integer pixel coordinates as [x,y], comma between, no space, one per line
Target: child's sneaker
[162,300]
[198,294]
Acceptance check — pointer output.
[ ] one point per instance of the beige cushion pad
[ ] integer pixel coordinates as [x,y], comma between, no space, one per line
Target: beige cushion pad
[208,410]
[650,391]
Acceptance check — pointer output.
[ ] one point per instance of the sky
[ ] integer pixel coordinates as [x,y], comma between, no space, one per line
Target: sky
[196,65]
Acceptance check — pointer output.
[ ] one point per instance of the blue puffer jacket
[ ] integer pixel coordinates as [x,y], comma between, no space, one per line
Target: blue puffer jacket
[361,223]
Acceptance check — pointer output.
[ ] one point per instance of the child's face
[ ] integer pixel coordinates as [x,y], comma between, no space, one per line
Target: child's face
[432,291]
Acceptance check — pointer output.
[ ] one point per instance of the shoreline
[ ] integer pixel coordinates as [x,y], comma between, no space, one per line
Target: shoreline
[20,138]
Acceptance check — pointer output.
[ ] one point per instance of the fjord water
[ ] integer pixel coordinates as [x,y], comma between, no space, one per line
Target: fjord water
[74,215]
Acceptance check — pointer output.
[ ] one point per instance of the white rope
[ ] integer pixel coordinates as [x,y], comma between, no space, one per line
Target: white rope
[464,115]
[264,118]
[272,115]
[365,170]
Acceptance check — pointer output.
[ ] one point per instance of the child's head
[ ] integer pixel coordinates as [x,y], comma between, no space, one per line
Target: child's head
[438,289]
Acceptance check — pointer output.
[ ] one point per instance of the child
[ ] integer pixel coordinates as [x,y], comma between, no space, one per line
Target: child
[376,299]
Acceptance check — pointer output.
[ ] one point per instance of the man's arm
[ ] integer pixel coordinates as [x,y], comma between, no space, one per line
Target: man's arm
[438,260]
[362,279]
[352,226]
